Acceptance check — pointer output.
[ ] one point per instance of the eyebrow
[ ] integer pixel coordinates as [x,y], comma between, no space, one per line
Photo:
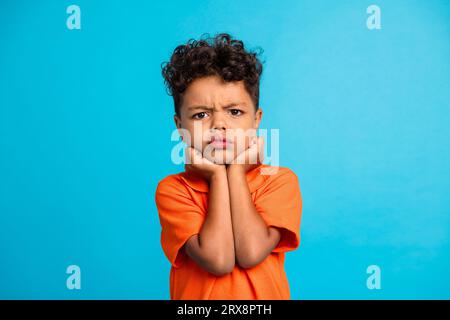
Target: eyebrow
[232,104]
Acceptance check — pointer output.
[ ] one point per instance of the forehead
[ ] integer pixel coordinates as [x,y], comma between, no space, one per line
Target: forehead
[213,90]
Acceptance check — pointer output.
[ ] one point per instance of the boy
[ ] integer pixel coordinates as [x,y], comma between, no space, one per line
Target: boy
[225,225]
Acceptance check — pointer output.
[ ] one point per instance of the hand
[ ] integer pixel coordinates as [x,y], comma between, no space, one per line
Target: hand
[249,158]
[196,163]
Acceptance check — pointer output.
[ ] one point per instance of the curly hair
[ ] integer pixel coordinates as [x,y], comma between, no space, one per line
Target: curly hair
[221,56]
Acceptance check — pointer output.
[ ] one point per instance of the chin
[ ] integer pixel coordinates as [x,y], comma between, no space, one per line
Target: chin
[221,156]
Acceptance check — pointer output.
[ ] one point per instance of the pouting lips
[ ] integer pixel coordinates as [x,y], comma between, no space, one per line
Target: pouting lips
[220,142]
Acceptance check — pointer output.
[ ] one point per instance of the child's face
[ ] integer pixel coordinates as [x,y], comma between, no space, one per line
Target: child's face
[213,110]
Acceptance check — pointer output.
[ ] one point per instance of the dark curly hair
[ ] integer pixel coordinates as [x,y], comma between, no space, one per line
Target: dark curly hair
[221,56]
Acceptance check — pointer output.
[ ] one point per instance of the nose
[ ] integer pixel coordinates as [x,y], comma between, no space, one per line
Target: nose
[219,122]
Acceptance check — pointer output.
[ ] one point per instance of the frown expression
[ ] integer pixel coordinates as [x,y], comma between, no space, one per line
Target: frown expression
[218,118]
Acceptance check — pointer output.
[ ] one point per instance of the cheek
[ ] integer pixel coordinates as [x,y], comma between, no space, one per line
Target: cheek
[201,139]
[196,137]
[242,139]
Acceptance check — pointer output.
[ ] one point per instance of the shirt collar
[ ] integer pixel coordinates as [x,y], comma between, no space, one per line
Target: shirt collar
[254,179]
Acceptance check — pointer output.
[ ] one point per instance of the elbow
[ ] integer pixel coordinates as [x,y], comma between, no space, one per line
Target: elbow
[221,268]
[247,261]
[212,260]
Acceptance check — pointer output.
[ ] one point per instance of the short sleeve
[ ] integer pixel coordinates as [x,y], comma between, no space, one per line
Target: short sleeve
[280,205]
[179,216]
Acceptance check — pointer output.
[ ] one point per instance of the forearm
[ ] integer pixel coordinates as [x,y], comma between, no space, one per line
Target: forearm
[252,237]
[215,245]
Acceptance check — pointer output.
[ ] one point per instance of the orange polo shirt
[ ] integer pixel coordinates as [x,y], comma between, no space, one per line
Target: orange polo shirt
[182,202]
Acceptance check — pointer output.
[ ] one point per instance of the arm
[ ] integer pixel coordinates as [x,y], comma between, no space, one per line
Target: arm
[213,247]
[254,241]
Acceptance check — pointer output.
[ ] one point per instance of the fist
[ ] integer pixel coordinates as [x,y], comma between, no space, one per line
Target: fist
[199,165]
[249,158]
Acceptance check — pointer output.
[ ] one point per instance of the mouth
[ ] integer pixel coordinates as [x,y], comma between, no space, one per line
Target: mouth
[220,143]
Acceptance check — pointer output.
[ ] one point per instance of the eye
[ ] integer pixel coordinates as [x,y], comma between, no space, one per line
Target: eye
[236,112]
[200,115]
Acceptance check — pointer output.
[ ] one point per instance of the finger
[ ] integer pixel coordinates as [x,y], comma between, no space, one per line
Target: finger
[260,143]
[188,155]
[256,143]
[253,140]
[253,152]
[197,157]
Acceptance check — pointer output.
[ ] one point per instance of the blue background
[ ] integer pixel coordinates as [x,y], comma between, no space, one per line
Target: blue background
[85,126]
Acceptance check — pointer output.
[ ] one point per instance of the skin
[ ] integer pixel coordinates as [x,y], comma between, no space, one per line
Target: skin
[233,231]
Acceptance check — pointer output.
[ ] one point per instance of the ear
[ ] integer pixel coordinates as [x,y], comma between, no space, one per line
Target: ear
[177,120]
[258,118]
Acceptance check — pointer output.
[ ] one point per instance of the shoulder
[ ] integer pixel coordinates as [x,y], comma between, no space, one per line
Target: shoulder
[174,196]
[275,173]
[281,188]
[170,180]
[171,184]
[279,179]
